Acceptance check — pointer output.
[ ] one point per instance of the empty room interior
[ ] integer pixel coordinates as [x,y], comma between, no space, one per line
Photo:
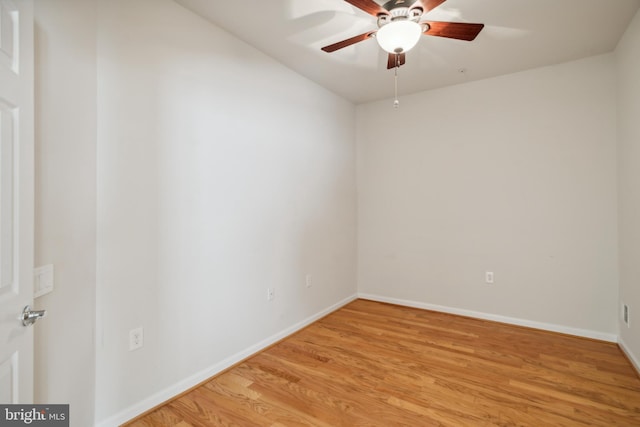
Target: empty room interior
[210,185]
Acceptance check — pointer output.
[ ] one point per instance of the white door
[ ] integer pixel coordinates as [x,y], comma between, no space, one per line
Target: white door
[16,199]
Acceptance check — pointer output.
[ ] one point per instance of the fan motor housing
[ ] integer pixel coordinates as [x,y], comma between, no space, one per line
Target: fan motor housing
[399,11]
[395,4]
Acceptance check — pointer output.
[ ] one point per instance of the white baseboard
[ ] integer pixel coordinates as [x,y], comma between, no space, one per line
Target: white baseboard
[634,360]
[603,336]
[184,385]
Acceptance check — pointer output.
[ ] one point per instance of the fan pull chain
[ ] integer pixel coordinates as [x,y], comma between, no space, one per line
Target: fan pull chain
[396,103]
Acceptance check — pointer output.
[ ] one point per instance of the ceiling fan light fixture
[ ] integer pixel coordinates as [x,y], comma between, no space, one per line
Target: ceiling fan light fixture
[399,36]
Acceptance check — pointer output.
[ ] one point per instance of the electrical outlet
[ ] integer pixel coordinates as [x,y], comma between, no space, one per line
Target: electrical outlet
[271,294]
[488,277]
[136,338]
[625,315]
[309,281]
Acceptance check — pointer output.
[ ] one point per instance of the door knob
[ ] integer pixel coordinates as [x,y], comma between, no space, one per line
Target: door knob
[29,317]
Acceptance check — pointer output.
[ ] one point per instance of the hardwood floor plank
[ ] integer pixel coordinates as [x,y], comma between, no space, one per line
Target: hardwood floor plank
[162,417]
[375,364]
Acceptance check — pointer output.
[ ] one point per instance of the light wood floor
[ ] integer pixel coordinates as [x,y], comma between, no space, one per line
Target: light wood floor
[373,364]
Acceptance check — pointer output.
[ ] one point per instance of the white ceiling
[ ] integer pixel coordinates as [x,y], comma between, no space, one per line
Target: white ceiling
[518,35]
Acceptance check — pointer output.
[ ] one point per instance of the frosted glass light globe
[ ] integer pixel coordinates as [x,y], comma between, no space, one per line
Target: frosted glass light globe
[399,36]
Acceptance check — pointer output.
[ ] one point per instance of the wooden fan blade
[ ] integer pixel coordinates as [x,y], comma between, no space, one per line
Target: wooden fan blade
[348,42]
[396,60]
[427,5]
[369,6]
[453,30]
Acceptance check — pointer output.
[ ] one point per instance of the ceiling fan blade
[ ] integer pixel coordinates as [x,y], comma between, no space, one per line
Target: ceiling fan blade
[453,30]
[348,42]
[396,60]
[427,5]
[369,6]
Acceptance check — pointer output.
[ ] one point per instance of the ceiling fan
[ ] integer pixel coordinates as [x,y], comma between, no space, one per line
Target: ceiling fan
[400,27]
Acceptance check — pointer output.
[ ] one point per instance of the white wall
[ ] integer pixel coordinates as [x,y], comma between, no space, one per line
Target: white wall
[628,62]
[514,175]
[220,173]
[65,82]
